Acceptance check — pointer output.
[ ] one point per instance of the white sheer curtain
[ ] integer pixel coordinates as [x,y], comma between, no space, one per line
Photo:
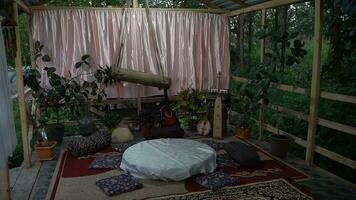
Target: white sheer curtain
[195,46]
[7,124]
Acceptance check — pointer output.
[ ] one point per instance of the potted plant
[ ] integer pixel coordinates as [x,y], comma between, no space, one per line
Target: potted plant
[45,148]
[111,121]
[254,94]
[279,143]
[192,103]
[61,92]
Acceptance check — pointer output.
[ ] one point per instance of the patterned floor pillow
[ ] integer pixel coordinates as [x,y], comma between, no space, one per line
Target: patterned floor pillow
[121,147]
[119,184]
[106,162]
[215,145]
[216,180]
[82,146]
[225,160]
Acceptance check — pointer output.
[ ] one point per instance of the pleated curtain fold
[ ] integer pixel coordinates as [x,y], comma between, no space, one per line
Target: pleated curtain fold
[7,124]
[194,47]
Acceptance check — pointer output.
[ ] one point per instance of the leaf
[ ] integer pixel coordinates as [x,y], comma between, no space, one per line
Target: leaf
[78,64]
[85,57]
[37,44]
[46,58]
[298,43]
[293,35]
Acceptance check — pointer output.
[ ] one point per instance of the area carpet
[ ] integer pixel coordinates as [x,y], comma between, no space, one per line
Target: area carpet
[73,180]
[275,189]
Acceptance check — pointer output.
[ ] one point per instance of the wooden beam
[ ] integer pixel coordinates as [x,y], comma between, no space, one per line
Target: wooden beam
[135,3]
[260,6]
[241,41]
[5,192]
[261,121]
[23,6]
[338,97]
[97,112]
[288,88]
[315,84]
[263,41]
[30,42]
[20,91]
[336,157]
[241,3]
[198,10]
[337,126]
[210,5]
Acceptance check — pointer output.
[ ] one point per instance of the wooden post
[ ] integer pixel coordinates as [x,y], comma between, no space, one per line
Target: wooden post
[241,40]
[263,41]
[5,193]
[139,106]
[135,4]
[262,53]
[30,42]
[20,91]
[315,84]
[261,122]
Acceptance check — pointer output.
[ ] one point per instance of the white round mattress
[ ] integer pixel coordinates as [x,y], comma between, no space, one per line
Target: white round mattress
[168,159]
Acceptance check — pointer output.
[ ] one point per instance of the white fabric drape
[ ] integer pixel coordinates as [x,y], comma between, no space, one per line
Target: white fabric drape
[7,125]
[194,46]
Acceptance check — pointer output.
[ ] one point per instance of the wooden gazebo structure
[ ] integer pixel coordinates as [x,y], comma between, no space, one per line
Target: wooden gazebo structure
[230,8]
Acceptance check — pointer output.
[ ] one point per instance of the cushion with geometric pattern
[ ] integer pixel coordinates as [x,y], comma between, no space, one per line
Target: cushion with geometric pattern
[106,162]
[216,180]
[118,184]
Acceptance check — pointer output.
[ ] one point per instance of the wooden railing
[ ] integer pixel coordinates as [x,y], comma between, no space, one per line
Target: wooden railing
[303,116]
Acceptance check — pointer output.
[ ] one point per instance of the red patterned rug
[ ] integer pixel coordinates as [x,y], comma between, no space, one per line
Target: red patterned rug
[72,170]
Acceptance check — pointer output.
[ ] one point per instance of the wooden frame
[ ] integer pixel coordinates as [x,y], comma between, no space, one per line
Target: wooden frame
[260,6]
[21,91]
[315,84]
[22,6]
[314,92]
[216,10]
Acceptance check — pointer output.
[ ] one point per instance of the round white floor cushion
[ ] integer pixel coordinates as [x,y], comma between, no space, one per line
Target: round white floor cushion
[168,159]
[121,134]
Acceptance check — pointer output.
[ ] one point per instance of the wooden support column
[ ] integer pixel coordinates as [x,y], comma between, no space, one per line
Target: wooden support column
[261,122]
[20,91]
[315,84]
[135,4]
[262,53]
[30,42]
[5,193]
[263,41]
[241,41]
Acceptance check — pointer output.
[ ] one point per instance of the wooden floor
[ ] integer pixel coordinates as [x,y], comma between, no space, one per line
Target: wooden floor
[33,183]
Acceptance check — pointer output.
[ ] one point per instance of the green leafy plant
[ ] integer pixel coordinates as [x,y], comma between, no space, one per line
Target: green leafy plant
[71,92]
[111,120]
[192,103]
[254,94]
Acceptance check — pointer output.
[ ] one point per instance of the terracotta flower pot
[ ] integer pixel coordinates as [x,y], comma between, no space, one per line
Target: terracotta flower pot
[243,133]
[46,152]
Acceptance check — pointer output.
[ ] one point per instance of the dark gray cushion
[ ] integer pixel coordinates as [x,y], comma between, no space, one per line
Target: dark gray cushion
[243,154]
[82,146]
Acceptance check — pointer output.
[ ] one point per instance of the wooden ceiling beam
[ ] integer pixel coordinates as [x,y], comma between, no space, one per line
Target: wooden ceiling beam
[210,5]
[260,6]
[23,6]
[241,3]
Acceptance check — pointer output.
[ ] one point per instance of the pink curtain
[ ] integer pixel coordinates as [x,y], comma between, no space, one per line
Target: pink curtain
[193,46]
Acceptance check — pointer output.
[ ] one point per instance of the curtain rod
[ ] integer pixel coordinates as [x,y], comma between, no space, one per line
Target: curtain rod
[218,11]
